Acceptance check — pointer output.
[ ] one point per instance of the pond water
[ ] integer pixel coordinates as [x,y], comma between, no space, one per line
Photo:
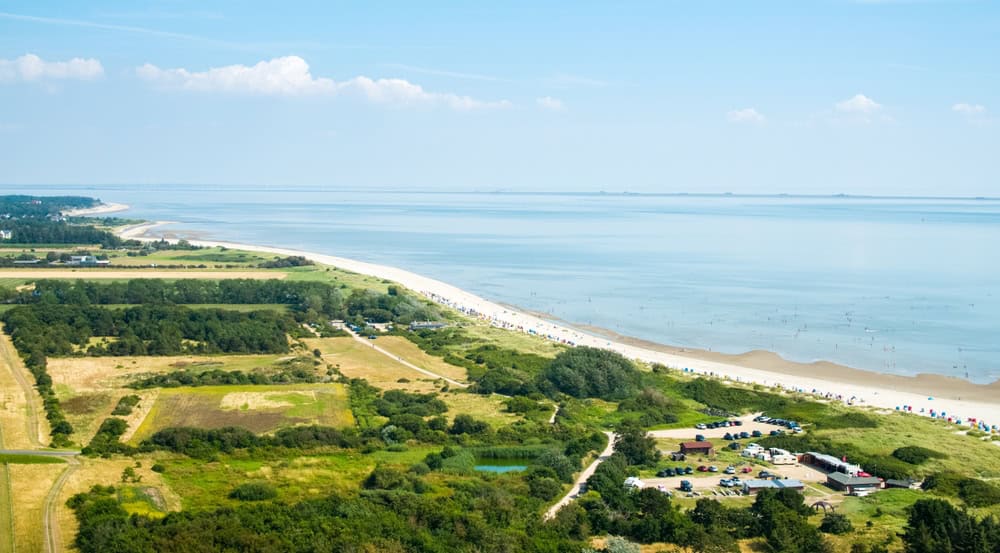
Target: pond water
[500,466]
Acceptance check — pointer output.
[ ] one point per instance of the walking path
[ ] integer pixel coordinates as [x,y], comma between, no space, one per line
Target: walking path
[584,476]
[50,520]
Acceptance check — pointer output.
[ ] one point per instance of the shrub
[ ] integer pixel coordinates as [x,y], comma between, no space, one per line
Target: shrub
[916,455]
[836,523]
[253,491]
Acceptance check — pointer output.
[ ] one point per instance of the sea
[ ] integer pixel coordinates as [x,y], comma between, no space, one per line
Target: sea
[889,284]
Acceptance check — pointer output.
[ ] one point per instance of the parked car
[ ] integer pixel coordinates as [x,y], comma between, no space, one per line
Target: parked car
[738,422]
[775,433]
[688,470]
[728,437]
[766,474]
[686,486]
[699,438]
[702,468]
[756,434]
[725,483]
[713,468]
[701,426]
[730,470]
[744,435]
[665,473]
[746,470]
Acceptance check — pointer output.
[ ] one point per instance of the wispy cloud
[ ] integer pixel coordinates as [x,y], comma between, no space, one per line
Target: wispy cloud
[550,103]
[96,25]
[290,76]
[30,67]
[444,73]
[745,115]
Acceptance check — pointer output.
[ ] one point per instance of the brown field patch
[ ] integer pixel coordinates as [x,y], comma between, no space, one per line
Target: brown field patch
[29,485]
[104,274]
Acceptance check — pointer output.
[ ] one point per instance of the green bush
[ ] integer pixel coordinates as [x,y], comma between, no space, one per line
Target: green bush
[836,523]
[253,491]
[916,455]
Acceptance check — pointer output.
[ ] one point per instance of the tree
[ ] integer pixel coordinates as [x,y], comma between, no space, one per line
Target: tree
[637,447]
[584,372]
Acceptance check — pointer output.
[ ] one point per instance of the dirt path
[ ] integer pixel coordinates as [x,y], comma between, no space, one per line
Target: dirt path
[584,476]
[32,400]
[50,522]
[402,361]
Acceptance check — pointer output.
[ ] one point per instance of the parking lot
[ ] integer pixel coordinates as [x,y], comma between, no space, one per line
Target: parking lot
[749,425]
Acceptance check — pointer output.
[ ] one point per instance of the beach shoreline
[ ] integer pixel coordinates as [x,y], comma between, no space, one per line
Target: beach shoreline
[920,394]
[102,209]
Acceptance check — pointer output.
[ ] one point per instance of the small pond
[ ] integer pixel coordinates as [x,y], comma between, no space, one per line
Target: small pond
[501,465]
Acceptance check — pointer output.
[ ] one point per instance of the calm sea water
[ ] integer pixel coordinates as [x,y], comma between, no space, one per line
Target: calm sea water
[893,285]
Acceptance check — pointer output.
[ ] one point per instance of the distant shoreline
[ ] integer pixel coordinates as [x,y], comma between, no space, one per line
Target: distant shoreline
[101,209]
[954,396]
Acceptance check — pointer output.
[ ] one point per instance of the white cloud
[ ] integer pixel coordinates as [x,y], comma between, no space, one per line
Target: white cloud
[859,104]
[30,67]
[290,76]
[746,115]
[279,76]
[550,103]
[969,109]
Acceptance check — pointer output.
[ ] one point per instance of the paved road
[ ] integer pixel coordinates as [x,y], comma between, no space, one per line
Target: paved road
[402,361]
[584,476]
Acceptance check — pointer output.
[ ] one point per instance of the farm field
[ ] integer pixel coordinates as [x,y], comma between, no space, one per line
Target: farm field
[260,409]
[18,419]
[30,485]
[405,349]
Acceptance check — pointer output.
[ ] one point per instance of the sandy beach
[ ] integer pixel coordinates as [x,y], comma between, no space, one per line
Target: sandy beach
[102,209]
[955,397]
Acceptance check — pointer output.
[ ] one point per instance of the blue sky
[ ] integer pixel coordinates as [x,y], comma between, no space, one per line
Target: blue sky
[879,97]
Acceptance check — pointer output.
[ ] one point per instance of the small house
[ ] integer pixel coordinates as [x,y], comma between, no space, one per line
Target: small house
[853,485]
[697,448]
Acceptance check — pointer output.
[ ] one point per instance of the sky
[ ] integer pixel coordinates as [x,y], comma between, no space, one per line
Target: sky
[819,97]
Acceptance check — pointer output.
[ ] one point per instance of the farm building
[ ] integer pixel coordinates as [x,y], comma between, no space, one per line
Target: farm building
[753,486]
[853,485]
[829,463]
[702,448]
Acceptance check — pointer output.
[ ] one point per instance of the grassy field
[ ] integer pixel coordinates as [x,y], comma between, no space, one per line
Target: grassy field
[14,419]
[356,360]
[6,512]
[31,484]
[260,409]
[207,256]
[485,408]
[6,458]
[401,347]
[965,454]
[206,485]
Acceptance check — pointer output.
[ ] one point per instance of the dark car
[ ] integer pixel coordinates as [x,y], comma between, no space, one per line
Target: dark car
[756,433]
[744,435]
[775,432]
[686,486]
[765,474]
[699,438]
[728,437]
[688,470]
[738,423]
[665,473]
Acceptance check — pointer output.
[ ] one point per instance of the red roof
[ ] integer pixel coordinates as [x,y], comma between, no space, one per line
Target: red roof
[696,445]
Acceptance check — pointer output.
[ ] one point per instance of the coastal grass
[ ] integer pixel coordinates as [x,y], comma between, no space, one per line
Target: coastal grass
[15,424]
[963,454]
[260,409]
[408,351]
